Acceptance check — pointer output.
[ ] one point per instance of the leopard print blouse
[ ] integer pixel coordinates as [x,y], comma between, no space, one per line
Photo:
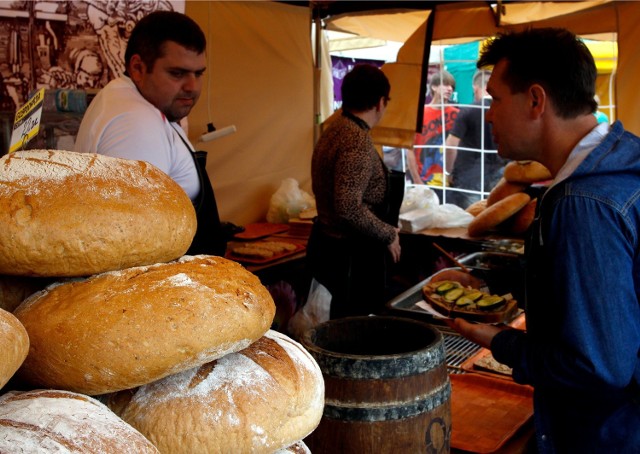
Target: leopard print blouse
[349,181]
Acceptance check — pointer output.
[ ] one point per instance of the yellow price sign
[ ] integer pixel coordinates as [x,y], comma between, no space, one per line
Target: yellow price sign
[26,123]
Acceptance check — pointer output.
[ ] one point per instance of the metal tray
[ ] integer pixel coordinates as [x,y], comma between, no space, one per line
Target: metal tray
[503,273]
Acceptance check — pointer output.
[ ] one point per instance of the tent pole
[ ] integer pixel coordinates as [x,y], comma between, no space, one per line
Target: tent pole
[317,75]
[428,38]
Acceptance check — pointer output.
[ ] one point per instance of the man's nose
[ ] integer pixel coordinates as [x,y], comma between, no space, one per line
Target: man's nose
[190,82]
[489,115]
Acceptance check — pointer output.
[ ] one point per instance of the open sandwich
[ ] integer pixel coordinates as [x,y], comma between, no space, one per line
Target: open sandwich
[452,299]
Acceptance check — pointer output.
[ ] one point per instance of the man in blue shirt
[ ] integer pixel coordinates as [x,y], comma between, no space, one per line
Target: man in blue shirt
[581,350]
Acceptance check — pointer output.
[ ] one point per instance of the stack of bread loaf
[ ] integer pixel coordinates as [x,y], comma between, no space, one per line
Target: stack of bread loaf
[128,345]
[509,208]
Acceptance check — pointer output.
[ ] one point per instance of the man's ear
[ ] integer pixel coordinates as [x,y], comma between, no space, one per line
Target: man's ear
[136,67]
[381,104]
[537,99]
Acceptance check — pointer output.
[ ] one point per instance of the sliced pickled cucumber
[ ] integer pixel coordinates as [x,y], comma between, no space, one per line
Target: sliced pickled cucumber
[474,295]
[464,301]
[453,295]
[446,286]
[490,302]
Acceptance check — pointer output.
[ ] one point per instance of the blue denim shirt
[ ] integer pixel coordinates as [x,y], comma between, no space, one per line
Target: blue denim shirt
[581,351]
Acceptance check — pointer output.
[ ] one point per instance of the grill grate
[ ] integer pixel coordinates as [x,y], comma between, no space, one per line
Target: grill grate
[457,351]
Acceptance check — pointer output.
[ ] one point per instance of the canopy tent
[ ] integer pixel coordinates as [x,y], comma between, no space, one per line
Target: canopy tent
[465,21]
[262,78]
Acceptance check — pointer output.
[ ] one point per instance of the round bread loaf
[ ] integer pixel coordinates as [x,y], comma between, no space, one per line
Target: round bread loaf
[497,213]
[76,214]
[49,421]
[504,189]
[122,329]
[14,345]
[526,172]
[259,400]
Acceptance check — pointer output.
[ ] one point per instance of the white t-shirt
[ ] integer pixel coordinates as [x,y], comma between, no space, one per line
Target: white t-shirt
[121,123]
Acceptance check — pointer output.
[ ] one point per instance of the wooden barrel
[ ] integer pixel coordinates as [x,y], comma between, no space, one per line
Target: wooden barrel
[386,386]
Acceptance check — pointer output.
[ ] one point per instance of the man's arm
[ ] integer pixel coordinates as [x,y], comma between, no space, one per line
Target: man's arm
[451,152]
[412,165]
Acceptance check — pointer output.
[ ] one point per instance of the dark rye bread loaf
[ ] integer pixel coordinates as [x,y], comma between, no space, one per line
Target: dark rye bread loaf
[259,400]
[49,421]
[77,214]
[122,329]
[14,346]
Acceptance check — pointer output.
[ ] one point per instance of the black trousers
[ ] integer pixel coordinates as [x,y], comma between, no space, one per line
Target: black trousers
[352,269]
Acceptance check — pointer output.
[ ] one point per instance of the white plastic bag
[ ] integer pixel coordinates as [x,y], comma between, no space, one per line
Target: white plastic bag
[445,216]
[419,197]
[288,201]
[314,312]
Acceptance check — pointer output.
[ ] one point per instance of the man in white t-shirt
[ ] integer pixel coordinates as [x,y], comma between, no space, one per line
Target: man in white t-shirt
[136,115]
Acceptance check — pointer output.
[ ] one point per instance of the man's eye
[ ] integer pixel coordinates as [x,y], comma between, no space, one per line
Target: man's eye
[176,73]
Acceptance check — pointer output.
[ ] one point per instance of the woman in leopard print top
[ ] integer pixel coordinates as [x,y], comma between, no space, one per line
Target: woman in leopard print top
[350,243]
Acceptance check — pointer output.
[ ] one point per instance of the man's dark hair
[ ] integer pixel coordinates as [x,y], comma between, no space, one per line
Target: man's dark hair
[363,87]
[152,31]
[552,57]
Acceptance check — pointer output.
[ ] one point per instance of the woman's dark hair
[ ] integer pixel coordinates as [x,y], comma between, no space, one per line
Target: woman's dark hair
[152,31]
[363,87]
[552,57]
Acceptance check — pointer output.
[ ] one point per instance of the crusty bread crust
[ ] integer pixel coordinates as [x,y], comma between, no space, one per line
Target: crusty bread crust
[77,214]
[14,345]
[524,218]
[504,189]
[48,421]
[259,400]
[477,207]
[497,213]
[526,172]
[122,329]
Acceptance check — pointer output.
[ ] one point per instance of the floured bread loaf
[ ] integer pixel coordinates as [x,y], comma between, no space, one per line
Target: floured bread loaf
[76,214]
[259,400]
[296,448]
[48,421]
[122,329]
[14,345]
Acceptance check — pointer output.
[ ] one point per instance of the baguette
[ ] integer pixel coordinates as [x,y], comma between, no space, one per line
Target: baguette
[497,213]
[66,214]
[477,207]
[123,329]
[503,190]
[524,218]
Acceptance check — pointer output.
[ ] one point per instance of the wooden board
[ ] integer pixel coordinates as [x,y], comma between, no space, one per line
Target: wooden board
[475,364]
[487,411]
[260,230]
[262,261]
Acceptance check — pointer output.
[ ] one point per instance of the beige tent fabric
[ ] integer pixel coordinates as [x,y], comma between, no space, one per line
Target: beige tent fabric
[391,25]
[465,19]
[260,79]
